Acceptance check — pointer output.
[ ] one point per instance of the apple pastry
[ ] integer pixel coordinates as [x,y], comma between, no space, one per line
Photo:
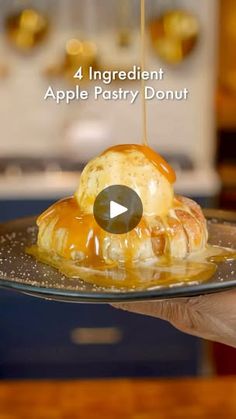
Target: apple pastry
[171,227]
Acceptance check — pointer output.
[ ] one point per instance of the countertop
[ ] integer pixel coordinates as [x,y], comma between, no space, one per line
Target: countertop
[197,182]
[111,399]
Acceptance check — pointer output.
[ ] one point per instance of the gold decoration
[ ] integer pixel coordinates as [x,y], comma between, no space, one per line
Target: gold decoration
[174,35]
[26,29]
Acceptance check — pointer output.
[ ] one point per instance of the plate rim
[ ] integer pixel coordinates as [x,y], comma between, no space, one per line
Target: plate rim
[112,297]
[177,291]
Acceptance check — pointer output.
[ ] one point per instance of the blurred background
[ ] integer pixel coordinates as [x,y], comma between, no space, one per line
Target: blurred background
[44,146]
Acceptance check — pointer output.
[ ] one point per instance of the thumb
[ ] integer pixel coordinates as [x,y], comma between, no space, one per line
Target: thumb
[212,316]
[174,311]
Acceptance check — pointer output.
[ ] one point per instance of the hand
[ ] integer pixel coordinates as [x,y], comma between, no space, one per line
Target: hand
[211,317]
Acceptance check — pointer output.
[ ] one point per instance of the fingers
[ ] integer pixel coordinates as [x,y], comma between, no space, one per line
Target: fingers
[212,317]
[176,312]
[216,316]
[169,310]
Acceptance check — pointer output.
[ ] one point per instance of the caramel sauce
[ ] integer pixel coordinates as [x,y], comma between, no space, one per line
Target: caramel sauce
[141,276]
[82,232]
[84,236]
[151,155]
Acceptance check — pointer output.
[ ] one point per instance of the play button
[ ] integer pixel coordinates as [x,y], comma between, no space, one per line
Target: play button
[118,209]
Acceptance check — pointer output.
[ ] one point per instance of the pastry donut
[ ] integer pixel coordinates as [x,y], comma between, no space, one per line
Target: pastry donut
[172,226]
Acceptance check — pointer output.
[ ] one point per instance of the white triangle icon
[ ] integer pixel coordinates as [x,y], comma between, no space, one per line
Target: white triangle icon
[116,209]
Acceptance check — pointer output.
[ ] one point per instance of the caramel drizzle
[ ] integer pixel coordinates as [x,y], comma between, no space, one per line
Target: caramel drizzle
[150,154]
[84,235]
